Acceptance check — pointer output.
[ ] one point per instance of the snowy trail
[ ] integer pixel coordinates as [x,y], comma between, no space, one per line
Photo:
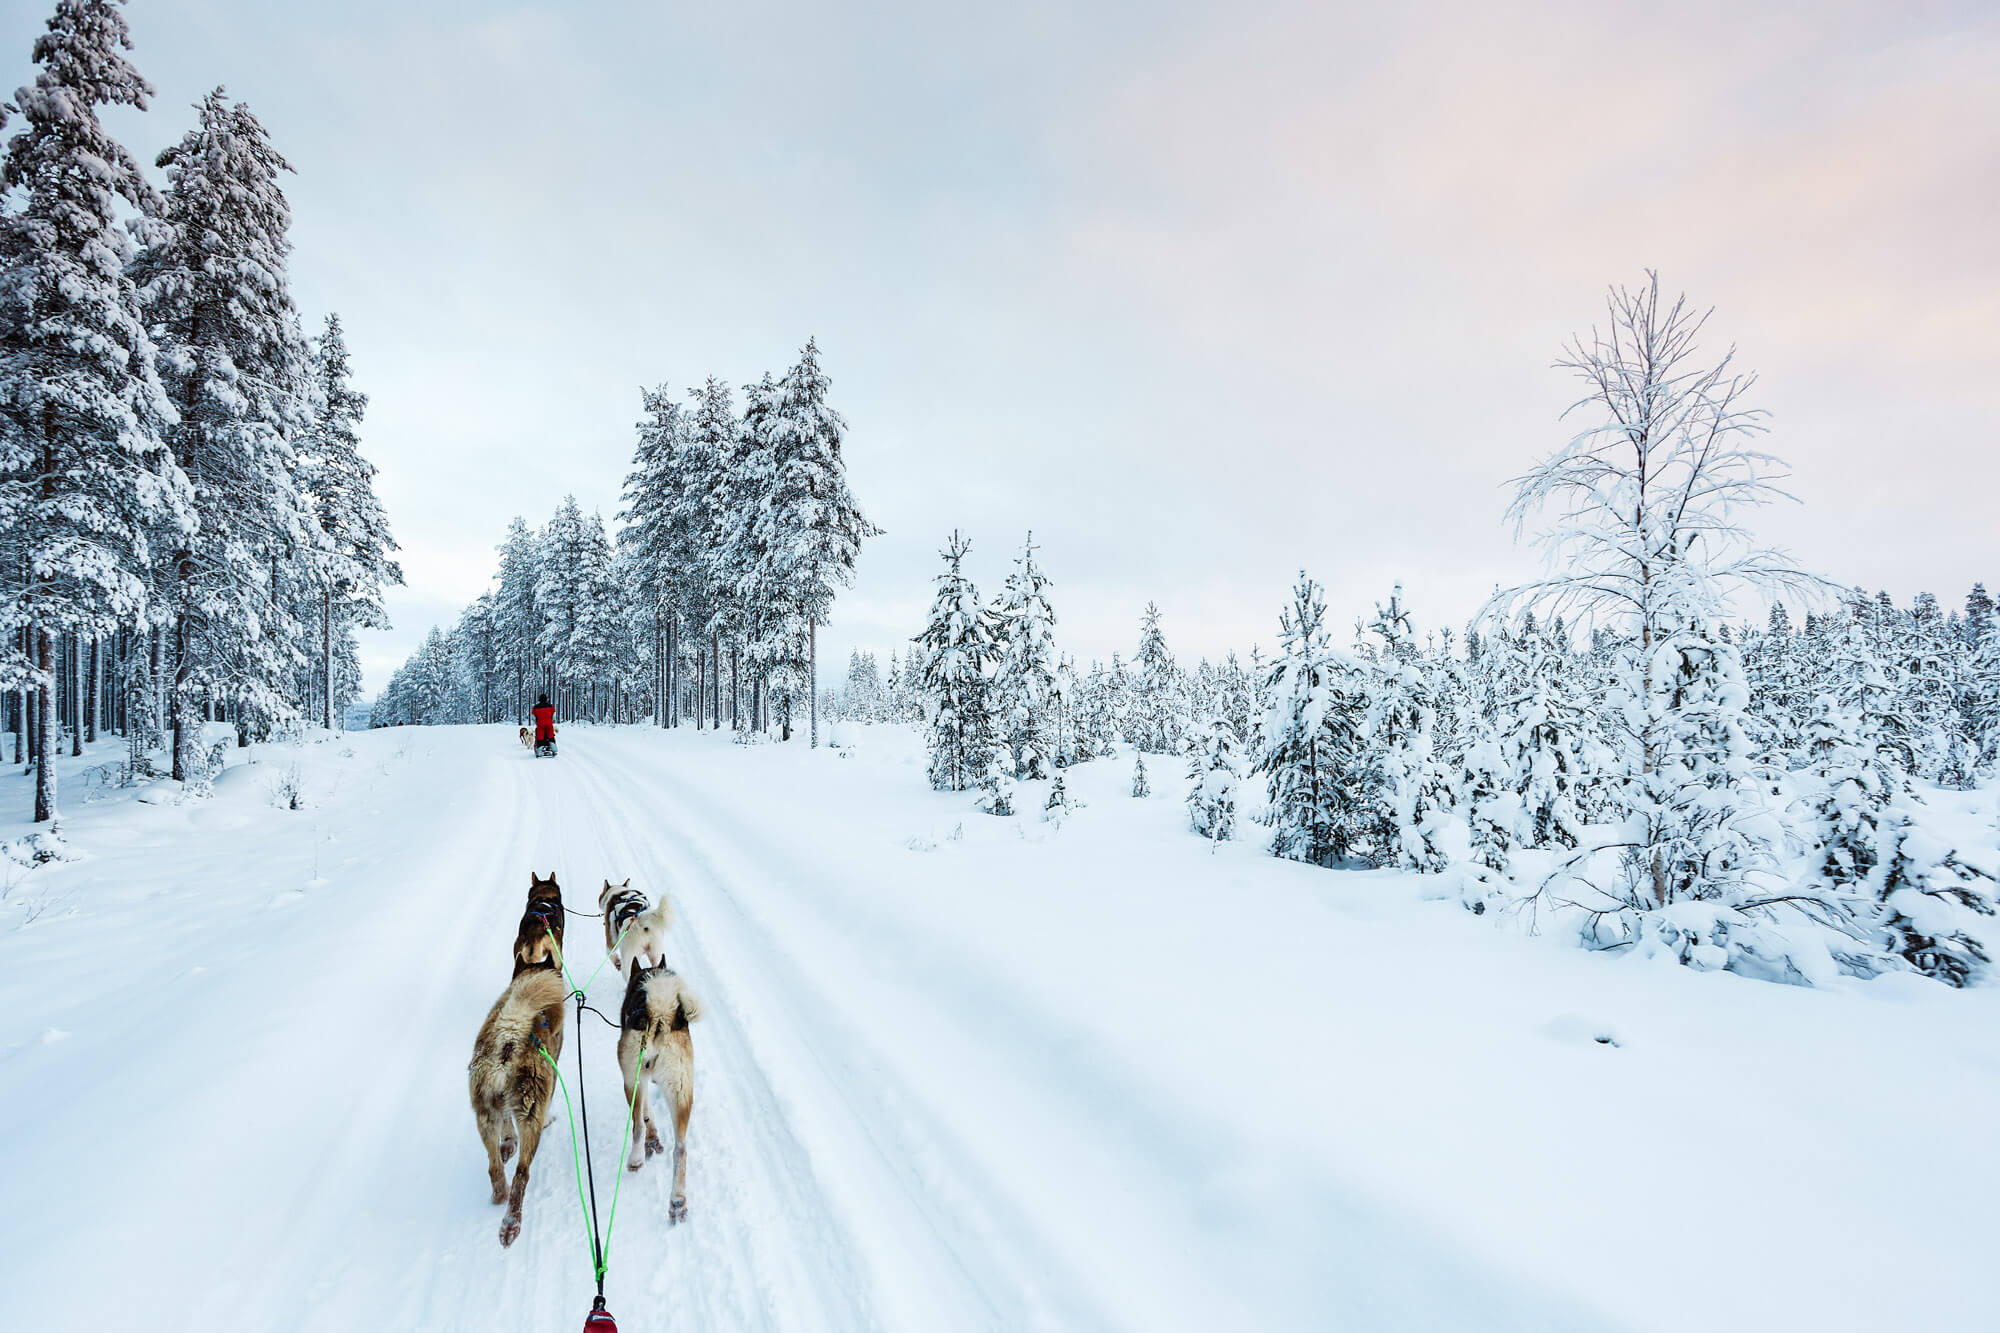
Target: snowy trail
[954,1073]
[758,1252]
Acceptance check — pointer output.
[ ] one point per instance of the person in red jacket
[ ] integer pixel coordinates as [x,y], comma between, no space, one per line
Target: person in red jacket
[545,722]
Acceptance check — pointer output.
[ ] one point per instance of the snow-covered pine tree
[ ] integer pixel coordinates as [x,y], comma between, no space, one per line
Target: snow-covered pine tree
[1406,794]
[957,646]
[806,530]
[1213,776]
[560,596]
[476,668]
[235,363]
[1848,791]
[1153,721]
[1493,812]
[600,611]
[1931,659]
[1142,787]
[1548,741]
[1938,906]
[1982,693]
[1024,677]
[1311,735]
[1238,700]
[1060,804]
[85,479]
[1065,729]
[518,616]
[358,559]
[1650,541]
[142,723]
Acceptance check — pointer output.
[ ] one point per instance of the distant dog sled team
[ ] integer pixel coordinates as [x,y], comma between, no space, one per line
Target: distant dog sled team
[512,1075]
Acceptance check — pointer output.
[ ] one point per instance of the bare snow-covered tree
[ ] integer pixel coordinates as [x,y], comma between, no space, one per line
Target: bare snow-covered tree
[1647,537]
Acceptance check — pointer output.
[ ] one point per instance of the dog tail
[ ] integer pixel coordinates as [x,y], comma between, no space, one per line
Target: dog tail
[670,1004]
[663,913]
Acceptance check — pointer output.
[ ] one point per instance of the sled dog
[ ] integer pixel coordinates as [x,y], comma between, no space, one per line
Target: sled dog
[642,926]
[658,1008]
[511,1082]
[539,941]
[527,738]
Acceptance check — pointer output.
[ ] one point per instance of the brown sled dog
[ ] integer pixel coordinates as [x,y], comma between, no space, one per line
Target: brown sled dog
[527,738]
[658,1008]
[511,1082]
[539,941]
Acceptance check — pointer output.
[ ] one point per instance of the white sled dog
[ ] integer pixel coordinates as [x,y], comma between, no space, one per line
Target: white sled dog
[511,1083]
[658,1008]
[633,927]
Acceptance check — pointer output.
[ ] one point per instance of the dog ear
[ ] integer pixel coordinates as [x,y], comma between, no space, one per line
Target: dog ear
[628,882]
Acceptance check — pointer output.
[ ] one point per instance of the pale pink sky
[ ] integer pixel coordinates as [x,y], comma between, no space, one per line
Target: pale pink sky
[1202,293]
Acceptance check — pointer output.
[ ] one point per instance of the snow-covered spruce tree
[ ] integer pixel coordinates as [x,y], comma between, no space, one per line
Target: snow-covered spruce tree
[957,646]
[1847,789]
[1649,541]
[1060,804]
[1938,907]
[85,479]
[1237,704]
[1931,659]
[593,643]
[1152,720]
[235,362]
[1493,812]
[1406,794]
[1065,734]
[1547,735]
[1024,677]
[1212,779]
[1982,694]
[517,615]
[722,452]
[666,509]
[1141,786]
[560,596]
[807,531]
[357,558]
[1311,734]
[142,724]
[477,667]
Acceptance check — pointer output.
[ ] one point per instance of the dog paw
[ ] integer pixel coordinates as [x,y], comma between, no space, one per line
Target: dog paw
[507,1147]
[677,1211]
[631,1165]
[499,1194]
[510,1228]
[653,1145]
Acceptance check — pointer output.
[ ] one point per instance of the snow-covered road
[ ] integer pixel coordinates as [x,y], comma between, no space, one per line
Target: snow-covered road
[951,1076]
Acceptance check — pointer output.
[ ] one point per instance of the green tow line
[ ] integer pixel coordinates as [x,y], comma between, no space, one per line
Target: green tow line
[600,1251]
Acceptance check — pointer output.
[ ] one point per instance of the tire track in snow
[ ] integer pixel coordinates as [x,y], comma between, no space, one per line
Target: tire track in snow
[956,1255]
[761,1248]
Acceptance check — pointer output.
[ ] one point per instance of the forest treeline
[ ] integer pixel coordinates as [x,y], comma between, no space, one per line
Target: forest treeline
[188,529]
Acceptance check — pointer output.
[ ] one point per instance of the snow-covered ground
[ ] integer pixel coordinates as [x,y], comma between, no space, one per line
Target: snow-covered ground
[956,1072]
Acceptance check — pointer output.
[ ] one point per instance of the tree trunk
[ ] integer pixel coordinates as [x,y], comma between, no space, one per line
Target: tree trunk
[75,695]
[812,676]
[45,771]
[326,653]
[177,700]
[95,693]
